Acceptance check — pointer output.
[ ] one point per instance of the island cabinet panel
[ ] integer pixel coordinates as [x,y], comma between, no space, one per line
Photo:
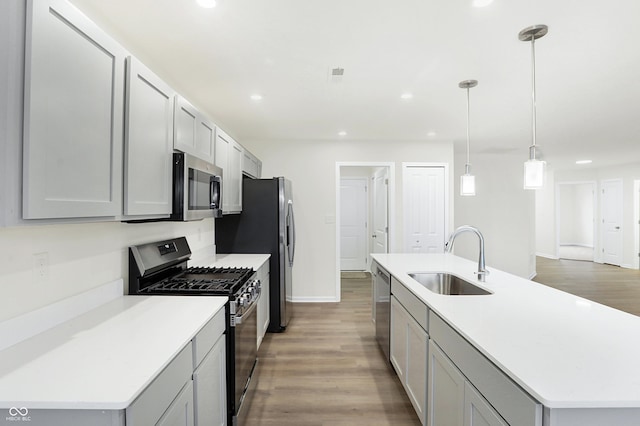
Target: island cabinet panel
[592,416]
[148,143]
[408,355]
[477,411]
[511,402]
[73,116]
[446,390]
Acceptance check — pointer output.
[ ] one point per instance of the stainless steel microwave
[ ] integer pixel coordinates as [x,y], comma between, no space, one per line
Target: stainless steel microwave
[197,188]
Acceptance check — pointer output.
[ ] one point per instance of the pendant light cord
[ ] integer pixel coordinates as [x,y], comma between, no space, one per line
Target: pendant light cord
[532,150]
[467,165]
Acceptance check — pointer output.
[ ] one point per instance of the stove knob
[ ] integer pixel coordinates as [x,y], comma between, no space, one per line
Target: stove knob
[242,300]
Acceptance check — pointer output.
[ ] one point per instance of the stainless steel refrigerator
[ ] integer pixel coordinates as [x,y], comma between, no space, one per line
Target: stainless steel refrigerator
[266,225]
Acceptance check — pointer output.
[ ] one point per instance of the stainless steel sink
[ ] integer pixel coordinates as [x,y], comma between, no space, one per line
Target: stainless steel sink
[443,283]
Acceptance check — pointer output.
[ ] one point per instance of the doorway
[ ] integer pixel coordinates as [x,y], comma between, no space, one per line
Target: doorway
[575,213]
[378,229]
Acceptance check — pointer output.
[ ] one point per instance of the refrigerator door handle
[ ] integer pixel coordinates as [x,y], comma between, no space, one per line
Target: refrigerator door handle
[291,233]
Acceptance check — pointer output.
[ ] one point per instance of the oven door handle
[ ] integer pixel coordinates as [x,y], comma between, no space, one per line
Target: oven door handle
[240,318]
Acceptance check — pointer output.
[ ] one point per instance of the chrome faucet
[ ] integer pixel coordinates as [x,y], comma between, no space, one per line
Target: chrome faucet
[448,247]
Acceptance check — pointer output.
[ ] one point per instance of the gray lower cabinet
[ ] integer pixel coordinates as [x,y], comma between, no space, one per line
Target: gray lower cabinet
[446,390]
[148,144]
[465,388]
[263,309]
[180,412]
[453,400]
[73,116]
[477,411]
[210,387]
[409,345]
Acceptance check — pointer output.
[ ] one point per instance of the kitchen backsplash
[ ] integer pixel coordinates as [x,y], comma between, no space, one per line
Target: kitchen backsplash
[43,264]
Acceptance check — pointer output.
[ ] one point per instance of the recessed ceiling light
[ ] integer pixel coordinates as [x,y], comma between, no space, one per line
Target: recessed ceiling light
[481,3]
[406,95]
[256,97]
[584,162]
[207,4]
[342,133]
[431,134]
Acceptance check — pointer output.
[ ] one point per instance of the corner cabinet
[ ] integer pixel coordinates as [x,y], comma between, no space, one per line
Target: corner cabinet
[228,156]
[148,144]
[194,133]
[74,86]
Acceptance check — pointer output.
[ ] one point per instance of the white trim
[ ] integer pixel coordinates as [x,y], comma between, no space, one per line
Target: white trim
[17,329]
[390,218]
[636,223]
[319,299]
[547,256]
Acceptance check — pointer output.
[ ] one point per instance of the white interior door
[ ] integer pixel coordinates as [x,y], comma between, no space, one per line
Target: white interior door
[424,208]
[380,217]
[353,224]
[611,207]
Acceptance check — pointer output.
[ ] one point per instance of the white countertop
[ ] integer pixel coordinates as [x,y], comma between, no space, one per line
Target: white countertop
[234,260]
[566,351]
[104,358]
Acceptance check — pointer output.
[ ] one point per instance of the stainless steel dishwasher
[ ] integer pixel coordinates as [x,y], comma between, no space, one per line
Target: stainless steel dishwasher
[382,284]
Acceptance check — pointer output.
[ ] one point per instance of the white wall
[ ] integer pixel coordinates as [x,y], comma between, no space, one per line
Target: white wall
[628,173]
[311,165]
[545,219]
[501,209]
[576,214]
[81,256]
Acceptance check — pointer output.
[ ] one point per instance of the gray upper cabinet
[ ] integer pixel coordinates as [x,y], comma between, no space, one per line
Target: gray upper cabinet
[251,165]
[229,156]
[148,143]
[194,133]
[74,85]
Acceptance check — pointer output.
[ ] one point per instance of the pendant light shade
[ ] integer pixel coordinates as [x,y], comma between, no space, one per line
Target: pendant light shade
[534,169]
[467,180]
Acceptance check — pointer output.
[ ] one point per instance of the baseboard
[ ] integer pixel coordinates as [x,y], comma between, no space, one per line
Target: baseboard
[533,275]
[576,245]
[547,256]
[318,299]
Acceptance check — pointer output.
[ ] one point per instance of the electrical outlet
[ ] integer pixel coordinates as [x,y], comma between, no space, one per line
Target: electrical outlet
[41,266]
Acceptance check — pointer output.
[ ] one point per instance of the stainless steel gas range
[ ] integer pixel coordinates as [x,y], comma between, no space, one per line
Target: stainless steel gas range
[160,268]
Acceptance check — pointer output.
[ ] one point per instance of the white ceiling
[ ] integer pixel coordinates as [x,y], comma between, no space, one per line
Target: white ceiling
[587,73]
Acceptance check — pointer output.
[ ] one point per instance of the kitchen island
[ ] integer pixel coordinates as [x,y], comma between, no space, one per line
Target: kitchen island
[578,360]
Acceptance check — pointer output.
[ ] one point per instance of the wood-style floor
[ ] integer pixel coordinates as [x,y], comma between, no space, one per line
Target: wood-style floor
[327,369]
[606,284]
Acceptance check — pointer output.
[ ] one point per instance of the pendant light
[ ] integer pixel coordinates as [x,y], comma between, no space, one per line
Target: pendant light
[467,180]
[534,169]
